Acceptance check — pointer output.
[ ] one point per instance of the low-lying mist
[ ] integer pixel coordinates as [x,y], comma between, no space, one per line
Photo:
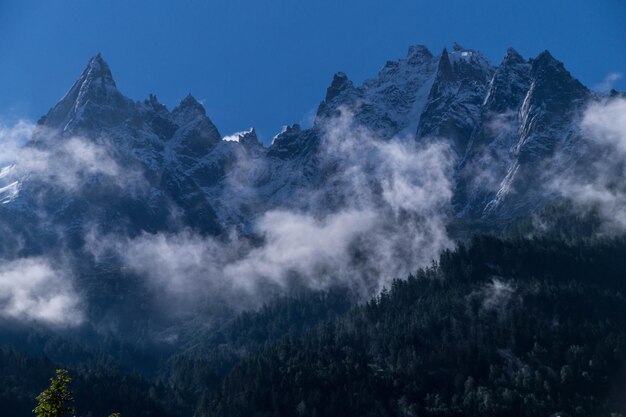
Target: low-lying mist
[381,214]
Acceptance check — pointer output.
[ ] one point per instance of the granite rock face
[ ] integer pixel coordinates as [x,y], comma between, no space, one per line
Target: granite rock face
[503,122]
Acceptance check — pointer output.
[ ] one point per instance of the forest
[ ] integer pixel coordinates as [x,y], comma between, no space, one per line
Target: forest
[495,327]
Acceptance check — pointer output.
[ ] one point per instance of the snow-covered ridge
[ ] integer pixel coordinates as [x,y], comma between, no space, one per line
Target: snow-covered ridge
[502,121]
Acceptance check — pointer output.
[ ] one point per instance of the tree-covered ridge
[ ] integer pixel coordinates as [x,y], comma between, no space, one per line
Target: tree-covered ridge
[497,328]
[494,328]
[199,369]
[103,379]
[96,389]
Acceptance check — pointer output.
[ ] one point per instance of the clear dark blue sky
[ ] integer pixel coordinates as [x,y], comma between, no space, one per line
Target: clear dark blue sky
[267,63]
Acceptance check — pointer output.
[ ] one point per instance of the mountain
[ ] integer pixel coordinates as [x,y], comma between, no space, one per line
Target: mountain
[161,226]
[184,270]
[101,165]
[505,120]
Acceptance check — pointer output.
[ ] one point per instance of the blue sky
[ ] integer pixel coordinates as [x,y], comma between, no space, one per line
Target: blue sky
[267,63]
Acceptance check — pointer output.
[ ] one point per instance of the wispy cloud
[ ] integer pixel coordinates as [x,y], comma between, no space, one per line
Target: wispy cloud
[65,163]
[598,185]
[608,82]
[33,289]
[382,216]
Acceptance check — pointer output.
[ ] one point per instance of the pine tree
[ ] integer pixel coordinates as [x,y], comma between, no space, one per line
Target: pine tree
[56,400]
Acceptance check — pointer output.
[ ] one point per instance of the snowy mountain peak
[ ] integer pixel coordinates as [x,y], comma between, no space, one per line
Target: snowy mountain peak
[288,142]
[190,104]
[250,137]
[418,53]
[340,83]
[339,93]
[93,94]
[96,82]
[556,81]
[546,63]
[153,102]
[515,112]
[546,57]
[196,133]
[469,62]
[247,137]
[509,84]
[198,130]
[444,69]
[99,69]
[512,57]
[293,129]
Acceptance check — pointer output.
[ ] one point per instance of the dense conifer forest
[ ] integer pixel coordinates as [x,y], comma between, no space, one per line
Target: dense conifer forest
[497,328]
[517,327]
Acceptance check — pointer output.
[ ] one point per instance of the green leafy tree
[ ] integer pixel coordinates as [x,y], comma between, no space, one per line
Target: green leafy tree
[56,400]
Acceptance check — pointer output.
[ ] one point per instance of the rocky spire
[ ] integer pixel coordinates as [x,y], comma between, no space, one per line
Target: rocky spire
[196,134]
[456,47]
[337,93]
[512,57]
[340,83]
[190,104]
[444,70]
[93,94]
[554,85]
[509,84]
[418,53]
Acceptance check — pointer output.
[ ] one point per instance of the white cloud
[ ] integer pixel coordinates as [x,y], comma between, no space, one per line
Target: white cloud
[598,185]
[299,244]
[382,216]
[235,136]
[66,163]
[605,123]
[497,294]
[32,289]
[12,138]
[608,82]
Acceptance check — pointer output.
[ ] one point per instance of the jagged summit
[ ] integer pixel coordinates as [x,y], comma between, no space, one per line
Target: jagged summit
[444,69]
[545,57]
[153,102]
[287,142]
[546,64]
[457,47]
[247,137]
[510,83]
[557,83]
[417,53]
[96,81]
[340,83]
[98,69]
[514,111]
[189,103]
[196,132]
[250,137]
[340,89]
[512,57]
[287,130]
[93,94]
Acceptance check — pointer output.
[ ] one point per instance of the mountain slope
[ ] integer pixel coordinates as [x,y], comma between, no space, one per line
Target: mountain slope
[517,328]
[431,149]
